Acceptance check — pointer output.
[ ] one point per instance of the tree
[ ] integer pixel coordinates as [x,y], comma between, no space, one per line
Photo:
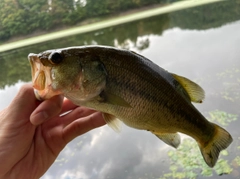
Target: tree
[22,17]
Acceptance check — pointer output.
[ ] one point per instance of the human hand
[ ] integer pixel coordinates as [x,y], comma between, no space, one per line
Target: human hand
[32,133]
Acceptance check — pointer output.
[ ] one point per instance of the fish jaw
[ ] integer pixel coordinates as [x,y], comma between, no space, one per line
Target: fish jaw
[41,78]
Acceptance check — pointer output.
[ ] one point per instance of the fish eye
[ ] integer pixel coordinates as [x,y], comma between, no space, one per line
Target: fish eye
[55,58]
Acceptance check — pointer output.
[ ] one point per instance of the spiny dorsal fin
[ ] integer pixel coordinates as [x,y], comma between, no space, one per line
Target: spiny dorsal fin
[195,92]
[172,139]
[112,122]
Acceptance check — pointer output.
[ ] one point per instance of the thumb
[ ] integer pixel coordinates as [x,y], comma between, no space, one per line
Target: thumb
[25,101]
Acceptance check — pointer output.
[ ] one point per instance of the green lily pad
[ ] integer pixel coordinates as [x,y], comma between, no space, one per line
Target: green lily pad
[187,162]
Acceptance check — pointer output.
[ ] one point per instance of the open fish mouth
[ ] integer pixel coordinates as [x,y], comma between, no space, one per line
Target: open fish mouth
[41,77]
[38,76]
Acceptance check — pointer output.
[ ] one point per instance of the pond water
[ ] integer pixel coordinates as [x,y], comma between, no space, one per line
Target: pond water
[201,44]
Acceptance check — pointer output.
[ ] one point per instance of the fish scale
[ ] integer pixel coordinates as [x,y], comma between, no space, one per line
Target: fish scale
[148,89]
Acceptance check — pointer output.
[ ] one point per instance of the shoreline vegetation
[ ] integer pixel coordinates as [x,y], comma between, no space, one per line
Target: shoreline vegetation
[117,19]
[15,67]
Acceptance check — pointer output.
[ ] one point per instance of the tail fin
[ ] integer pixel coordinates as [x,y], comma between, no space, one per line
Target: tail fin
[210,151]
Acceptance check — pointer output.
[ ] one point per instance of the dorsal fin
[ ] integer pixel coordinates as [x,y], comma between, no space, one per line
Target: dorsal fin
[195,92]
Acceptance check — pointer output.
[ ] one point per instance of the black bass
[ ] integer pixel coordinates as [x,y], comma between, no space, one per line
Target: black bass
[126,86]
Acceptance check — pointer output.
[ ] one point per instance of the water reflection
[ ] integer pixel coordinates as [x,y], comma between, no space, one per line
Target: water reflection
[105,154]
[137,154]
[13,64]
[8,94]
[210,57]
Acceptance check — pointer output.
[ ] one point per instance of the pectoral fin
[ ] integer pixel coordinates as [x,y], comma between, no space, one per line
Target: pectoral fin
[172,139]
[112,122]
[195,92]
[113,99]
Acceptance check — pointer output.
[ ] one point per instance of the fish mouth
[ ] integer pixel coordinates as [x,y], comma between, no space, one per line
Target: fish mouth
[41,78]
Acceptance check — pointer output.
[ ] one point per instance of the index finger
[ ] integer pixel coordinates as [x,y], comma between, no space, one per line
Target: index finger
[47,109]
[68,105]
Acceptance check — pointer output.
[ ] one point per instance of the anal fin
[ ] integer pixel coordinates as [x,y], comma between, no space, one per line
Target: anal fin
[172,139]
[112,122]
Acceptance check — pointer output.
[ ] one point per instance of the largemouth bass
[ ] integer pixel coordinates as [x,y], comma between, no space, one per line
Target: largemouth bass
[126,86]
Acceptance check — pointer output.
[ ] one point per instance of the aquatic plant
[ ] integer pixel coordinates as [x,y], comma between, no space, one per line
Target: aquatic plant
[221,117]
[187,162]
